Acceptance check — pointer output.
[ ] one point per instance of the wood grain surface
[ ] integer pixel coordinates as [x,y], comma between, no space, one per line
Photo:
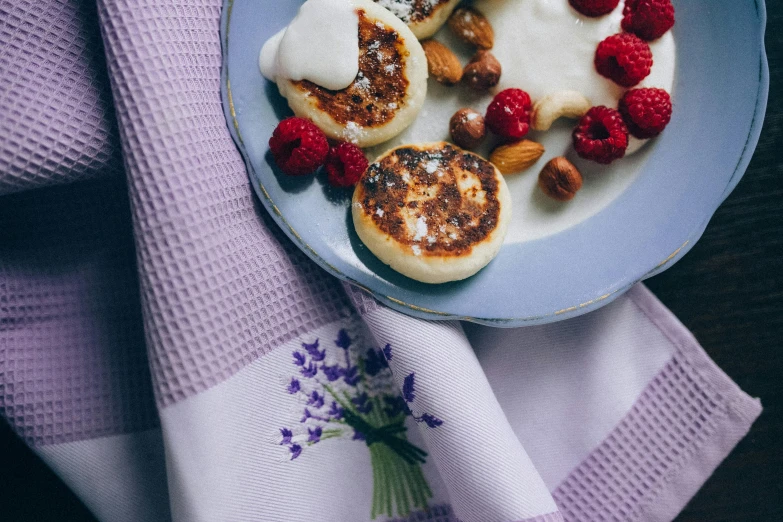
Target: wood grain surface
[728,291]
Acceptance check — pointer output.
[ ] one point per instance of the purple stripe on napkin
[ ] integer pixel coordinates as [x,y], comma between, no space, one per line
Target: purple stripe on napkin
[56,118]
[446,514]
[220,283]
[73,364]
[686,421]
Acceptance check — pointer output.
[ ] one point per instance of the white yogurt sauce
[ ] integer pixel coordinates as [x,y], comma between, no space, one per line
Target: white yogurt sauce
[321,44]
[547,46]
[544,46]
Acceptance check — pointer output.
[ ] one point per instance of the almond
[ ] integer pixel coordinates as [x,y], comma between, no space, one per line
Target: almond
[442,63]
[560,179]
[517,156]
[473,27]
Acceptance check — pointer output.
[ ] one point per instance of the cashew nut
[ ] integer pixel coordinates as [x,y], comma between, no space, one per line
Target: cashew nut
[568,104]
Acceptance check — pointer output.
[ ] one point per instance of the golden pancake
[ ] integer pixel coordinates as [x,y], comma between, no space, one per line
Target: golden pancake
[432,212]
[424,17]
[386,95]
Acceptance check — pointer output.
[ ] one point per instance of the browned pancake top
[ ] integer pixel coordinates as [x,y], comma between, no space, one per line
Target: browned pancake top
[378,91]
[443,200]
[412,10]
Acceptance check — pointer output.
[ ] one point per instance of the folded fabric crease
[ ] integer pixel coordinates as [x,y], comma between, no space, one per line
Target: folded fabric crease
[172,355]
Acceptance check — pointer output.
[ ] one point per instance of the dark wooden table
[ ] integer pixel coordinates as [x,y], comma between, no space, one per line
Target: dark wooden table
[728,290]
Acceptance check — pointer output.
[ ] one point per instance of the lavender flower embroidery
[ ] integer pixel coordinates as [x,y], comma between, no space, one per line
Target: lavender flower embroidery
[316,399]
[315,434]
[395,406]
[362,403]
[343,341]
[312,350]
[348,392]
[429,420]
[309,371]
[296,450]
[351,375]
[407,389]
[409,395]
[335,411]
[374,362]
[332,373]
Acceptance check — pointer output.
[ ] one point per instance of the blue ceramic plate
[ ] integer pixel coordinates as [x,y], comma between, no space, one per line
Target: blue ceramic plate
[720,98]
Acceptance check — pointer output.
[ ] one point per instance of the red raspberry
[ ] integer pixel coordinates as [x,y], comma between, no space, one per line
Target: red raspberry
[601,135]
[646,112]
[624,58]
[345,165]
[648,19]
[298,146]
[508,115]
[594,7]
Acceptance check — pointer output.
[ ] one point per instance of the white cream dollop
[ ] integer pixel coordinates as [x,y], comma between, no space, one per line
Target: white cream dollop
[546,46]
[321,44]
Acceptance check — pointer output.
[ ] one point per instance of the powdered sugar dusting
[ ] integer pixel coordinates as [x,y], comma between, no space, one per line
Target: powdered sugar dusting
[352,132]
[534,216]
[410,10]
[421,228]
[362,82]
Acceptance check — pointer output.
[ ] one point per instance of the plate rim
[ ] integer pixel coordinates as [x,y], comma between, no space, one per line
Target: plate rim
[749,148]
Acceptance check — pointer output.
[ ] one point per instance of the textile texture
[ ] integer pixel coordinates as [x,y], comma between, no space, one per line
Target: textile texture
[72,356]
[56,116]
[220,285]
[172,355]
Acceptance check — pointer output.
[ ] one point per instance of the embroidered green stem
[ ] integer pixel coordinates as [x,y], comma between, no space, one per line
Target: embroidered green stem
[399,485]
[377,487]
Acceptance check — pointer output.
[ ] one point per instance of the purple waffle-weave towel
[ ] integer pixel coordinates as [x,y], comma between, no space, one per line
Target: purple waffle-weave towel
[171,355]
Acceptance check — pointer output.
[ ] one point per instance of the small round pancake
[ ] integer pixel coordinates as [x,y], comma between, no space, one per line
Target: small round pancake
[424,17]
[386,95]
[432,211]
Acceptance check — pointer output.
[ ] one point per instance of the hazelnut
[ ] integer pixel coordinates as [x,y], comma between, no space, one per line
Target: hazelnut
[467,128]
[483,71]
[560,179]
